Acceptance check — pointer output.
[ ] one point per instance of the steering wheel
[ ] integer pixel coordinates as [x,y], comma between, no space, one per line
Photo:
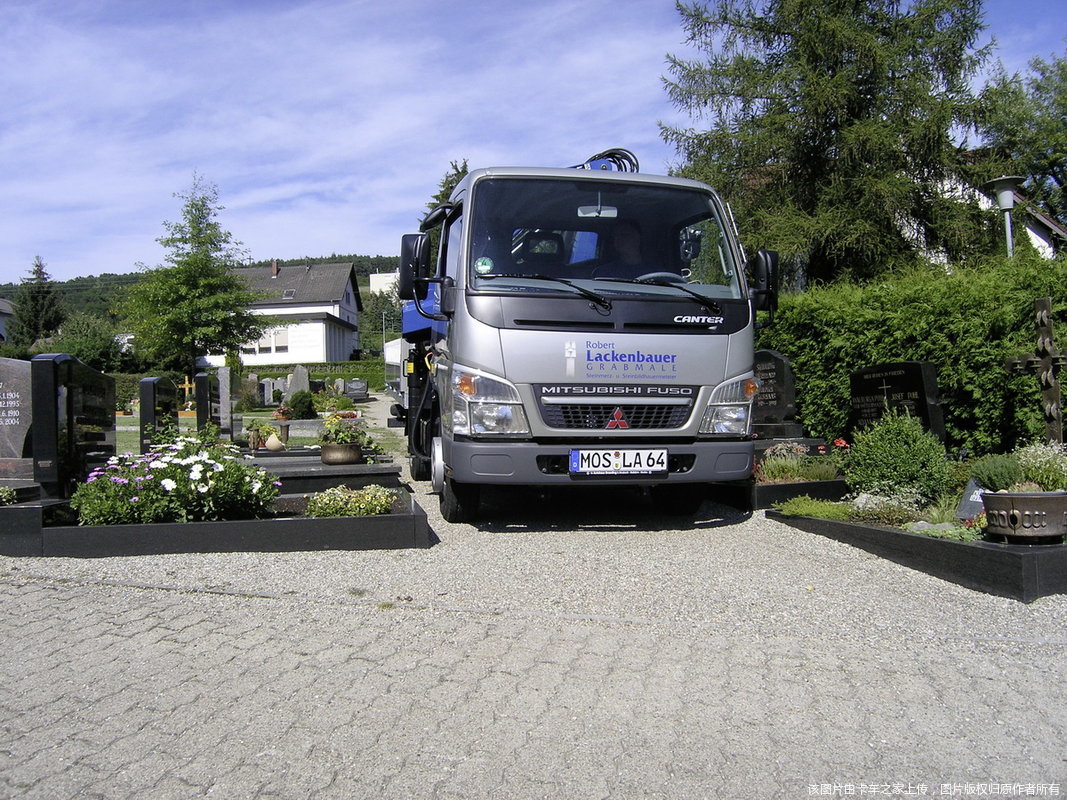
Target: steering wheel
[654,277]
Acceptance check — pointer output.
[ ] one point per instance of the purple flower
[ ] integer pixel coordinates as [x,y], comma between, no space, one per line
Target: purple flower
[118,480]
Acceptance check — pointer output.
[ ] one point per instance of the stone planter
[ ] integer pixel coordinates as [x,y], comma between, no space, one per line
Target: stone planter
[23,534]
[1021,572]
[1026,517]
[334,453]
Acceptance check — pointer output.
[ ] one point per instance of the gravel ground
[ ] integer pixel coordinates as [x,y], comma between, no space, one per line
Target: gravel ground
[583,645]
[608,555]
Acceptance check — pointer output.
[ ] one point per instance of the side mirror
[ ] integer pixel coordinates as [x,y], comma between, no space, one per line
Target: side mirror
[414,265]
[763,271]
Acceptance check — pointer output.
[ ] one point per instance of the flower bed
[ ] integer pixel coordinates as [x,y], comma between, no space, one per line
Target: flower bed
[1021,572]
[23,533]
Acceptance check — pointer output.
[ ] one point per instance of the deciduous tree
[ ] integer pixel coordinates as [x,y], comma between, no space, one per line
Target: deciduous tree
[1026,129]
[195,304]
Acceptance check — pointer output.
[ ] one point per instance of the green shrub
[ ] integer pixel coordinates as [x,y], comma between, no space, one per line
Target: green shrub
[7,495]
[341,501]
[996,472]
[965,322]
[303,405]
[807,468]
[1043,464]
[249,399]
[895,456]
[805,506]
[894,510]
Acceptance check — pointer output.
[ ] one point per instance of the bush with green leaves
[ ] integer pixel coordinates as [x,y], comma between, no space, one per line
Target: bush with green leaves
[7,496]
[1044,464]
[895,456]
[303,405]
[965,322]
[996,472]
[342,501]
[805,506]
[184,480]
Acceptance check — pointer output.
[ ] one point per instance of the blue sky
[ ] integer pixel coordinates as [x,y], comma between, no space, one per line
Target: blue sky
[325,124]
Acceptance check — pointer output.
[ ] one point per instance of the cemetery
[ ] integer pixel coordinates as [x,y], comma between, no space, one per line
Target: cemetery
[1007,532]
[58,436]
[1004,537]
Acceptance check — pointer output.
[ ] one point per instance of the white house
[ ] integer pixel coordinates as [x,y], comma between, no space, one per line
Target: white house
[317,306]
[7,311]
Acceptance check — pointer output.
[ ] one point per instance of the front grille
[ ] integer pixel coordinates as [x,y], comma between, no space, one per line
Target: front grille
[597,416]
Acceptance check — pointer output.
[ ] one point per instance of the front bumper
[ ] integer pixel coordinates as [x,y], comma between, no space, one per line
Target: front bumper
[532,463]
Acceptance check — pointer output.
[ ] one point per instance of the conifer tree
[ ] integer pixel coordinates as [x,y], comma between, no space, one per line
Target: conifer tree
[829,125]
[38,308]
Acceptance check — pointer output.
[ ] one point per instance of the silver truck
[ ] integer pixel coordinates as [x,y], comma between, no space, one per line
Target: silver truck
[580,327]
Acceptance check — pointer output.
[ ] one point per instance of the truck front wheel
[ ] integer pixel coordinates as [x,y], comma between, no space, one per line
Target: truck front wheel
[460,501]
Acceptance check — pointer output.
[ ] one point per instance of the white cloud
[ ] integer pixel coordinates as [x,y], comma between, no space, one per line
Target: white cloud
[326,124]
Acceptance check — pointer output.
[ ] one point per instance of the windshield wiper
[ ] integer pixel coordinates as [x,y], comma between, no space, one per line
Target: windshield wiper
[599,299]
[710,305]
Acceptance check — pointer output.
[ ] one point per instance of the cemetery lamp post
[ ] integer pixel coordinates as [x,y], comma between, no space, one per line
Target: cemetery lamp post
[1004,188]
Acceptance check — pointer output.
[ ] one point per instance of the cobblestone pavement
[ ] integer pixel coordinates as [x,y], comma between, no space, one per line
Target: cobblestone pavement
[587,648]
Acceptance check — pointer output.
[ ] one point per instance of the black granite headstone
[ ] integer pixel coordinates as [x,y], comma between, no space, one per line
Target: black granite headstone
[774,409]
[73,421]
[16,417]
[159,408]
[906,385]
[208,400]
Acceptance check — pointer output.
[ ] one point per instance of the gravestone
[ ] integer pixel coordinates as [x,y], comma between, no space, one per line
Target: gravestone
[907,385]
[971,504]
[16,418]
[298,382]
[207,400]
[73,422]
[225,403]
[1045,362]
[159,408]
[774,408]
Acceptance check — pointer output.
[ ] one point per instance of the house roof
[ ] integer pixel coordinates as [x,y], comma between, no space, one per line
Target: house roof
[6,308]
[302,284]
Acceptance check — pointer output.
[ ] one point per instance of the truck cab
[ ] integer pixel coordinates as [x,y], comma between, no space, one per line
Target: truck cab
[580,327]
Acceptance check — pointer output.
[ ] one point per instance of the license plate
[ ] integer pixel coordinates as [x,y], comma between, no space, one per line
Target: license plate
[618,462]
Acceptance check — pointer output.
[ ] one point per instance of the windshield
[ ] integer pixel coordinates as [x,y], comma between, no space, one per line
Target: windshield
[611,238]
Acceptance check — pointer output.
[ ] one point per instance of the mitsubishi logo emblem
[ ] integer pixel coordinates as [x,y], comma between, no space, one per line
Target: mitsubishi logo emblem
[617,420]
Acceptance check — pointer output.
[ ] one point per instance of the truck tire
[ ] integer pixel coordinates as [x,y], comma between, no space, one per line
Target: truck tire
[460,501]
[420,468]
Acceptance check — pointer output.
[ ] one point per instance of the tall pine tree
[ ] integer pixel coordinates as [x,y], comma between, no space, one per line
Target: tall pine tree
[829,125]
[38,308]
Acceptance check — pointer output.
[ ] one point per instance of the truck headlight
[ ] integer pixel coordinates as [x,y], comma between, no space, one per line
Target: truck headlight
[730,409]
[485,406]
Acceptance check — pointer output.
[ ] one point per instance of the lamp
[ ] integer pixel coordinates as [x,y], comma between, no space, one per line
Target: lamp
[1004,188]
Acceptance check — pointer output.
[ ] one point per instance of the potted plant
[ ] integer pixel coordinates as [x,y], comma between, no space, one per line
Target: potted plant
[261,433]
[282,412]
[343,438]
[1026,497]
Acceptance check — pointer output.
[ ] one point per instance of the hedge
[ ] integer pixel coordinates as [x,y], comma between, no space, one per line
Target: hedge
[965,321]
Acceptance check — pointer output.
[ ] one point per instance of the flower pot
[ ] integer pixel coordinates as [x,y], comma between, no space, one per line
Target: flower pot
[1035,517]
[333,453]
[274,444]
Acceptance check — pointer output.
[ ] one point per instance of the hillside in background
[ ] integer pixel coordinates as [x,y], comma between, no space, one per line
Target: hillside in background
[99,294]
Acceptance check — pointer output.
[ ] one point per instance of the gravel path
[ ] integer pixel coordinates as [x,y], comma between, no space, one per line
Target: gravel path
[723,656]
